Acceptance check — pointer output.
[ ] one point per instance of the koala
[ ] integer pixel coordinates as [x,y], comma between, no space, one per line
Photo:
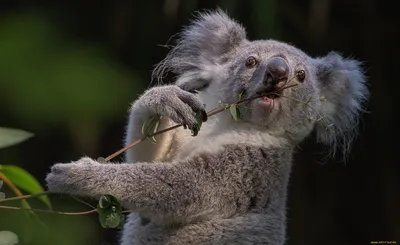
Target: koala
[228,184]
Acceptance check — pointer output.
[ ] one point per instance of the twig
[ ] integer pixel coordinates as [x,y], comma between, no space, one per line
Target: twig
[15,190]
[25,196]
[83,202]
[211,113]
[42,194]
[49,211]
[306,103]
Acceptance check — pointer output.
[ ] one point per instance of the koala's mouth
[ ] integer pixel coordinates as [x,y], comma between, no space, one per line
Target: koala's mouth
[269,93]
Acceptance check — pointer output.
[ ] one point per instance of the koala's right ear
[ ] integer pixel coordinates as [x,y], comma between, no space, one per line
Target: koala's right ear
[343,84]
[202,44]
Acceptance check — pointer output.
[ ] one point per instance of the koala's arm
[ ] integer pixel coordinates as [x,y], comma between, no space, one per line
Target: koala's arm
[198,187]
[175,106]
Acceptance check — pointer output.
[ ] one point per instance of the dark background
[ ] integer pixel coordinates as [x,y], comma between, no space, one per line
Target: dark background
[69,70]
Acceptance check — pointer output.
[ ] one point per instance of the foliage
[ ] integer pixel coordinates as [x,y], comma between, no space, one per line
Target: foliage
[12,136]
[58,78]
[24,180]
[109,207]
[2,195]
[8,238]
[110,212]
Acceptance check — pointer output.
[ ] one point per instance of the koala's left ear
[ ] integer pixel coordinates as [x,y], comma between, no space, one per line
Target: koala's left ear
[202,45]
[343,84]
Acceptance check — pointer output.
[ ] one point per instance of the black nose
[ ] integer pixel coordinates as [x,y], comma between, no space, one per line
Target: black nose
[277,70]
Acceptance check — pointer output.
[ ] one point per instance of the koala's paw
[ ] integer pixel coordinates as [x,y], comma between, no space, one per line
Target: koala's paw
[71,178]
[173,102]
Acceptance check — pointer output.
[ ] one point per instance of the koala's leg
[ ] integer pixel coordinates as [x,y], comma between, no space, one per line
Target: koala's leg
[249,229]
[253,228]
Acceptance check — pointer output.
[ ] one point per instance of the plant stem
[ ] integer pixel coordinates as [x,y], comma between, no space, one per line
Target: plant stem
[306,103]
[17,192]
[49,211]
[83,202]
[41,194]
[211,113]
[25,196]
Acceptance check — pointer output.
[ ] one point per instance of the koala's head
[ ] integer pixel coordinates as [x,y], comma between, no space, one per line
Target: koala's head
[214,57]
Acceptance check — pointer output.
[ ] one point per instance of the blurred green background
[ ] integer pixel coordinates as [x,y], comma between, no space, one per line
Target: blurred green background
[70,69]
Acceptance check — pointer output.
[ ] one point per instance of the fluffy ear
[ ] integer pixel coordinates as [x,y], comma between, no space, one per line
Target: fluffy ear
[343,85]
[202,43]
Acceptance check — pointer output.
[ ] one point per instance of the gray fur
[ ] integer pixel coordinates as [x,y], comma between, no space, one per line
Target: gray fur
[228,184]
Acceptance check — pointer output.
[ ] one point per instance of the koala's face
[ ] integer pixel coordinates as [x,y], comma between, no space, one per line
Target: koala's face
[214,57]
[280,75]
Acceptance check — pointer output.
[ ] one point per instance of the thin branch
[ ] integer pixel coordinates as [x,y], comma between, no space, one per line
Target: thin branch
[49,211]
[211,113]
[25,196]
[42,194]
[83,202]
[306,103]
[15,190]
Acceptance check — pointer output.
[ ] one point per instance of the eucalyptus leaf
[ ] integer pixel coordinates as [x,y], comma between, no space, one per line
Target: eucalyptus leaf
[110,212]
[9,136]
[121,222]
[2,195]
[8,238]
[199,120]
[234,112]
[109,218]
[150,126]
[24,180]
[104,202]
[241,95]
[101,160]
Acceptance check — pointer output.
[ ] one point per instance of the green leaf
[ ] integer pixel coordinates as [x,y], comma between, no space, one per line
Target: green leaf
[104,202]
[101,160]
[199,120]
[241,95]
[8,237]
[234,112]
[110,218]
[110,212]
[2,195]
[121,222]
[150,126]
[10,136]
[24,180]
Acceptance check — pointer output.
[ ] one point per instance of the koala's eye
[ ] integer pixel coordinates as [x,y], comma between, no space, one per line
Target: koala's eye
[251,62]
[301,75]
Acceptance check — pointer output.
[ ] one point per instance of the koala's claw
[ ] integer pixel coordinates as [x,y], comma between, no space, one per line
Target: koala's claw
[195,130]
[204,116]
